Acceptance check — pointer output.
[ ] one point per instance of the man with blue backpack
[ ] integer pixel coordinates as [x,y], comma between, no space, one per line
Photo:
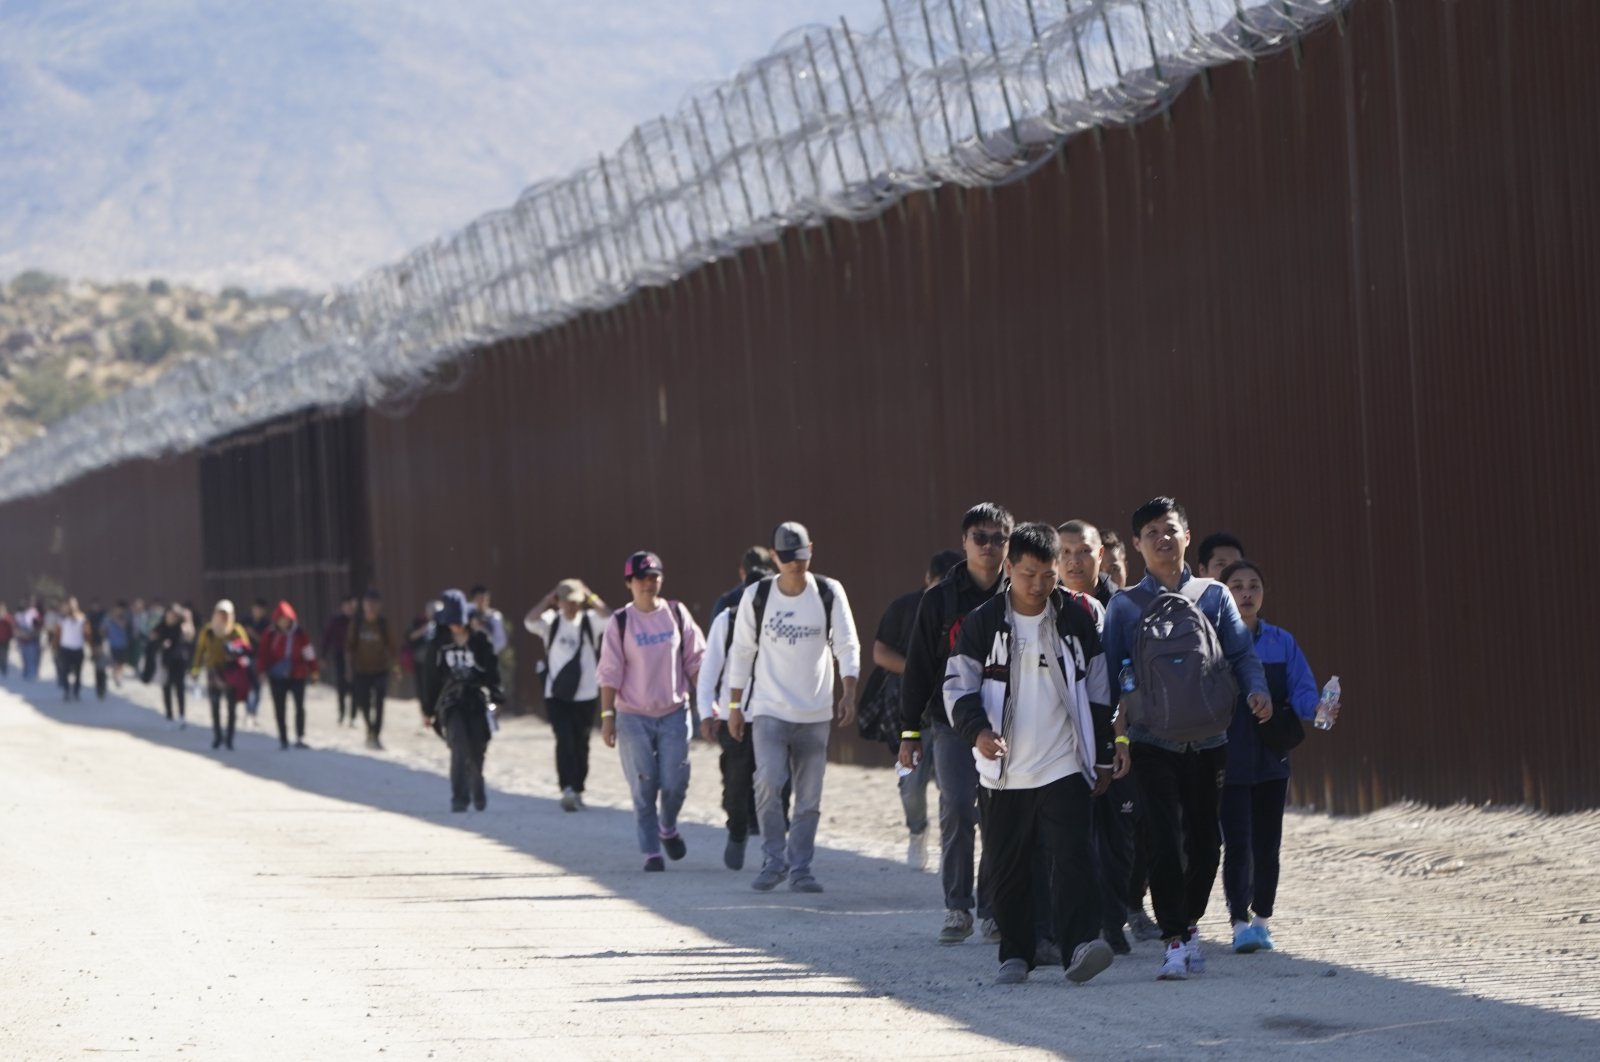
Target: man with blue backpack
[1182,654]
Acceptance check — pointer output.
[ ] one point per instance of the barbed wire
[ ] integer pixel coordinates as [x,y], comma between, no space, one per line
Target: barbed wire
[832,123]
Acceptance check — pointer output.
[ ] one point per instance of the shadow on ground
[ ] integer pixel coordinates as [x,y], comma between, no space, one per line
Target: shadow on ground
[872,932]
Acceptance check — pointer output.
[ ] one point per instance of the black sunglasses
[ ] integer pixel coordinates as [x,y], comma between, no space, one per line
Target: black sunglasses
[986,538]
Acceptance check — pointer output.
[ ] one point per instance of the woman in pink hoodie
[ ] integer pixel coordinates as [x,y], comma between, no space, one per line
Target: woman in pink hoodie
[287,659]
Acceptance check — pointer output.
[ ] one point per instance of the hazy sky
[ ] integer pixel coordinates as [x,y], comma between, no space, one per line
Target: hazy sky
[302,141]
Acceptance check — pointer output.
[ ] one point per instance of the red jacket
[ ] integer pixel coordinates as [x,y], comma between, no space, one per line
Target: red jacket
[293,645]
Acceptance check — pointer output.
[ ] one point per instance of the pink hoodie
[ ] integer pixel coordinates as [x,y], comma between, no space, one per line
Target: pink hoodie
[654,672]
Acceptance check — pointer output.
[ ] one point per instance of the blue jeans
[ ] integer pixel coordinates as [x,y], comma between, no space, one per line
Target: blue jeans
[914,792]
[787,752]
[655,760]
[957,775]
[30,660]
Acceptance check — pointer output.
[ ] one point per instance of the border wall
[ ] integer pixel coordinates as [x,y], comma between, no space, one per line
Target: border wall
[1340,302]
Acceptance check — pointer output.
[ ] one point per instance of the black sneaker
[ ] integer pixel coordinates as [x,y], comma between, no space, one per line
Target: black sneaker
[674,846]
[733,855]
[481,802]
[458,807]
[655,865]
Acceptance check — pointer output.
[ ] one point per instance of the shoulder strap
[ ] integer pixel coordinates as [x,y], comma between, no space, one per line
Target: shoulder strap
[620,622]
[585,631]
[825,591]
[763,593]
[550,635]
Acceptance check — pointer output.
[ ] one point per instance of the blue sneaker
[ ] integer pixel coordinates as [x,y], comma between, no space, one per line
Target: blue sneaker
[1263,935]
[1246,939]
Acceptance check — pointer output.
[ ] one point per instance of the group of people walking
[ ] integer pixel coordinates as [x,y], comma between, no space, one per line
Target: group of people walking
[1107,741]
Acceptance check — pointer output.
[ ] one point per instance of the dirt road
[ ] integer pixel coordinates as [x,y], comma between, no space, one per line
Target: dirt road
[164,901]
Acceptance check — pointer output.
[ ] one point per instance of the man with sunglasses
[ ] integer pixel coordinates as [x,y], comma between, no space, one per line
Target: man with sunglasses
[925,727]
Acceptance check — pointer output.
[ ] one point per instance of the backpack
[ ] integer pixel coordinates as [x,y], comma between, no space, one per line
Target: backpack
[1185,689]
[564,683]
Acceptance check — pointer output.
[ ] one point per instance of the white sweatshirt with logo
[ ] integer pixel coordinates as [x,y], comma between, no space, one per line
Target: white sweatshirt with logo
[793,672]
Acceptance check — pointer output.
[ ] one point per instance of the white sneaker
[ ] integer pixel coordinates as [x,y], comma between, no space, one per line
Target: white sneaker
[991,931]
[569,799]
[1197,958]
[1174,962]
[917,851]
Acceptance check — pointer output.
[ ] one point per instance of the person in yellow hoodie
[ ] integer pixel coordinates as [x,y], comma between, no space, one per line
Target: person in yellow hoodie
[222,655]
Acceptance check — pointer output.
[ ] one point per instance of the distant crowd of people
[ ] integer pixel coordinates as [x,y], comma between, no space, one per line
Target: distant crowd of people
[1108,741]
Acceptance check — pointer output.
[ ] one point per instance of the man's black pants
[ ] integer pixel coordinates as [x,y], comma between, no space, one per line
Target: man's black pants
[573,722]
[1115,829]
[1181,791]
[1056,821]
[366,697]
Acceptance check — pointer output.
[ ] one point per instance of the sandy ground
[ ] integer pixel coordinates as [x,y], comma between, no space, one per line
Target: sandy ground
[166,902]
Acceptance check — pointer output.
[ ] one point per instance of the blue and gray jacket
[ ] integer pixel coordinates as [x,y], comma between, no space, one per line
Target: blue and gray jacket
[1292,685]
[1216,604]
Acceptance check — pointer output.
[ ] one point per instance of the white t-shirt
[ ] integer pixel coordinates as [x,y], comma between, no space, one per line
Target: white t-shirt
[1043,743]
[569,637]
[71,633]
[793,668]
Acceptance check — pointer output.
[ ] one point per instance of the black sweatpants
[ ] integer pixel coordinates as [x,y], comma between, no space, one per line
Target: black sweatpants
[218,696]
[1181,791]
[573,722]
[469,741]
[341,686]
[172,687]
[1115,830]
[1252,832]
[738,764]
[70,661]
[366,696]
[282,690]
[1056,821]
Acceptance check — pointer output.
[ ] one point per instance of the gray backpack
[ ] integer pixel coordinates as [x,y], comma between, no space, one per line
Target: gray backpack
[1185,687]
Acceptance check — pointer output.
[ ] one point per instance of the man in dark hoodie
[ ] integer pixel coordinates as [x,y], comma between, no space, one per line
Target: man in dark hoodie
[463,687]
[335,633]
[371,646]
[925,727]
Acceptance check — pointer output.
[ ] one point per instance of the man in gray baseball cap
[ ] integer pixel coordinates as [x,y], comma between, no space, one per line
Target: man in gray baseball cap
[784,631]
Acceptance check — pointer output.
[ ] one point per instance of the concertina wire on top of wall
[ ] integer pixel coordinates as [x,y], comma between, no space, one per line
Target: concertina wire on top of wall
[832,123]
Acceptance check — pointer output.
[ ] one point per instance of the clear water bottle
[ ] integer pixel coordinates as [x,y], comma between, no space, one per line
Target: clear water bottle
[1125,677]
[1328,706]
[902,771]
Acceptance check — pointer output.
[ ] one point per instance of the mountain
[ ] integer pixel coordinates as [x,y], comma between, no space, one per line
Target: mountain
[300,142]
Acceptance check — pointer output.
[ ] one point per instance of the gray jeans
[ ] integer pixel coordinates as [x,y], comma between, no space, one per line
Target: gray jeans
[784,752]
[957,775]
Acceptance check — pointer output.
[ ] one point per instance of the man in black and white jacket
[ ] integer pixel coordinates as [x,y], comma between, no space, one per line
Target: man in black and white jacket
[1027,686]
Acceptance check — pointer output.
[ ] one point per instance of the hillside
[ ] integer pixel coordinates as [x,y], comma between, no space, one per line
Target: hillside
[65,344]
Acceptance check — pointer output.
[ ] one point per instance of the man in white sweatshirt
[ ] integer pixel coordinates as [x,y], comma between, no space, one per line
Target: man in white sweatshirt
[783,634]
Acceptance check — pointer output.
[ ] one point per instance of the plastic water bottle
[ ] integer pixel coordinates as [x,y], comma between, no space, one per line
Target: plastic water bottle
[902,771]
[1125,677]
[1328,705]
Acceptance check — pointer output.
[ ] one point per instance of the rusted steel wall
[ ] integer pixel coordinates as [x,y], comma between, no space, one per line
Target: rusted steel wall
[1339,302]
[284,514]
[122,532]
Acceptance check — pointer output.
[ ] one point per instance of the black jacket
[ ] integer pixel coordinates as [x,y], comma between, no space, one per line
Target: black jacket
[943,605]
[983,686]
[473,666]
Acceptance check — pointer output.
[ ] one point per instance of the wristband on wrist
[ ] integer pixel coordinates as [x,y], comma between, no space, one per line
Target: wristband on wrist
[1122,739]
[910,735]
[607,715]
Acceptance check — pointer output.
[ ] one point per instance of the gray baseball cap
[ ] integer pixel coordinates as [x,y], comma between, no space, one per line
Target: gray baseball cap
[791,541]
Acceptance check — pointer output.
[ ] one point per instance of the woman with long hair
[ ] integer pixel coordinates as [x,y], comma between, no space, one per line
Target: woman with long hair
[222,656]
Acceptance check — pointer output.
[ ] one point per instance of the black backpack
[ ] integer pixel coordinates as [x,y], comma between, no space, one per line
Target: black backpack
[1185,690]
[564,683]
